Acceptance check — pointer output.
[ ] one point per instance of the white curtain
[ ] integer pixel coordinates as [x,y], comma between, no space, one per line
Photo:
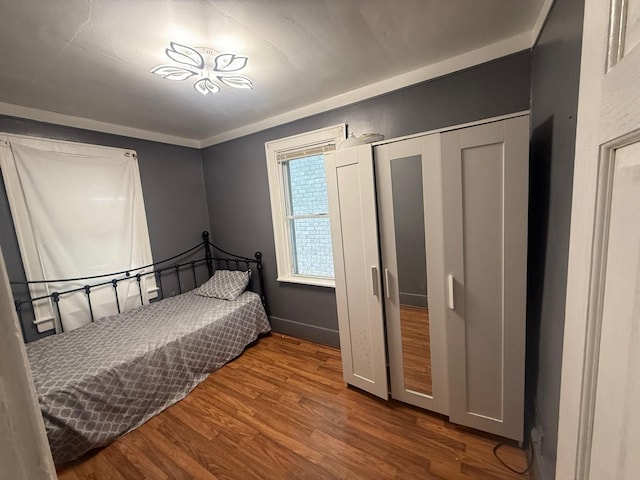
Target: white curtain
[78,211]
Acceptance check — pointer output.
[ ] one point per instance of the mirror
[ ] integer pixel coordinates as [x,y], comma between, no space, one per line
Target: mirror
[408,212]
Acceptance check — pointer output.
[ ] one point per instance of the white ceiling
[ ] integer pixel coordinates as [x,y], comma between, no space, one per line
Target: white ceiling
[87,63]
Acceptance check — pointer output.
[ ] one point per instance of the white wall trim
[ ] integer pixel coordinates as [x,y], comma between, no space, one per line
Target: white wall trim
[542,18]
[317,281]
[576,394]
[469,59]
[94,125]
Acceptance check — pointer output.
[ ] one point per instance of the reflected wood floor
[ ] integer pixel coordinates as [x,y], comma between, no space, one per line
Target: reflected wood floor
[282,411]
[416,349]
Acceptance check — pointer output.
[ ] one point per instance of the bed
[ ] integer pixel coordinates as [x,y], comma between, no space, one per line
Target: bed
[105,379]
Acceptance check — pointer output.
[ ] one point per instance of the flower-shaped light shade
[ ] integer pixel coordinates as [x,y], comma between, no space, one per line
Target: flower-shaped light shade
[191,63]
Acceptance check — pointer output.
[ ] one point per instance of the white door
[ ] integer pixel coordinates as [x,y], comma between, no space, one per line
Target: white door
[599,424]
[485,183]
[24,450]
[354,235]
[408,176]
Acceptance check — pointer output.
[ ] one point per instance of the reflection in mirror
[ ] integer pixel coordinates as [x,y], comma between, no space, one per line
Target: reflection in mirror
[408,212]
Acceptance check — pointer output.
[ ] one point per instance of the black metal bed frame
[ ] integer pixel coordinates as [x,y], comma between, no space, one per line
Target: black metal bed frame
[231,262]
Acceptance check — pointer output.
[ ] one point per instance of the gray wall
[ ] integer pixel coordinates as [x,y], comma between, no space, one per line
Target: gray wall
[172,185]
[554,96]
[238,192]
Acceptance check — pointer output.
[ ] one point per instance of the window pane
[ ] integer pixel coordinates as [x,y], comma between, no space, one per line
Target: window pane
[307,186]
[311,242]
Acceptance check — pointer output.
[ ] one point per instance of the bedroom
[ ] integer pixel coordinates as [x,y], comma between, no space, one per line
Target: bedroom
[178,179]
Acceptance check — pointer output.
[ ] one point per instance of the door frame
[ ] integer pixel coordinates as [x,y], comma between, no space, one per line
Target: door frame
[24,448]
[595,145]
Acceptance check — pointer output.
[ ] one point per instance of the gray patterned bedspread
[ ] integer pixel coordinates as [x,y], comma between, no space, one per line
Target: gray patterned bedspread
[109,377]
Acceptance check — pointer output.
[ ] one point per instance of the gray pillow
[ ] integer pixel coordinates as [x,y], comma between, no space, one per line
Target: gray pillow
[225,284]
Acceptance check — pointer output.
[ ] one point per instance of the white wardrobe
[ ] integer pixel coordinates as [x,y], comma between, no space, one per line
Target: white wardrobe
[430,250]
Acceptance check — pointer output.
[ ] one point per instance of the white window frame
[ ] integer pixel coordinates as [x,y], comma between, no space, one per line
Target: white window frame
[324,139]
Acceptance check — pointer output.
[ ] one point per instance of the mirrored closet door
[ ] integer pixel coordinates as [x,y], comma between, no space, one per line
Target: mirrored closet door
[451,228]
[410,214]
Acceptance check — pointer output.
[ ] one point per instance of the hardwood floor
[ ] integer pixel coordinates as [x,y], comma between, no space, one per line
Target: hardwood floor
[282,411]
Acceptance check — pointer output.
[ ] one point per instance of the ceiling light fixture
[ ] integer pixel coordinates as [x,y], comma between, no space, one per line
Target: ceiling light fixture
[206,65]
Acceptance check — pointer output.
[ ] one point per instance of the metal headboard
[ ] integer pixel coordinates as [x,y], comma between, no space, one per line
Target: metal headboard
[211,259]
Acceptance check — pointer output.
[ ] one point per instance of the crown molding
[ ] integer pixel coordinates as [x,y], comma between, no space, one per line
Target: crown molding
[542,18]
[94,125]
[509,46]
[460,62]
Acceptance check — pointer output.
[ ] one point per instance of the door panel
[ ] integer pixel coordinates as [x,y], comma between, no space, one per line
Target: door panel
[352,208]
[410,212]
[485,179]
[631,26]
[616,427]
[482,221]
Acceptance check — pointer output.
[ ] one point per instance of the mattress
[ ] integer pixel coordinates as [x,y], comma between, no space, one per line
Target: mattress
[107,378]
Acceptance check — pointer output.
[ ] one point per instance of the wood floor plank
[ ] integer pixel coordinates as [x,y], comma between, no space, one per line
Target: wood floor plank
[114,458]
[282,411]
[182,457]
[141,461]
[402,459]
[253,459]
[194,416]
[288,463]
[350,460]
[205,452]
[142,440]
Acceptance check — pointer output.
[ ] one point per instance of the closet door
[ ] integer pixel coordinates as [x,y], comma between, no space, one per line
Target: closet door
[354,235]
[485,180]
[409,190]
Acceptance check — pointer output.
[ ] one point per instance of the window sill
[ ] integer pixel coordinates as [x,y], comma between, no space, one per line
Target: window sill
[318,282]
[45,324]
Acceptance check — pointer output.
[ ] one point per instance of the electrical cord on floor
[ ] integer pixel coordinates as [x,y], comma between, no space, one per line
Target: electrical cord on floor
[529,460]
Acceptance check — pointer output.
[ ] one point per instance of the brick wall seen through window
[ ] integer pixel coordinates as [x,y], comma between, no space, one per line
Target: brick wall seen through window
[311,235]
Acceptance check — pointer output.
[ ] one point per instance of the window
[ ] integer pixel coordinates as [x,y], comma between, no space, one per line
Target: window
[299,205]
[78,210]
[307,212]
